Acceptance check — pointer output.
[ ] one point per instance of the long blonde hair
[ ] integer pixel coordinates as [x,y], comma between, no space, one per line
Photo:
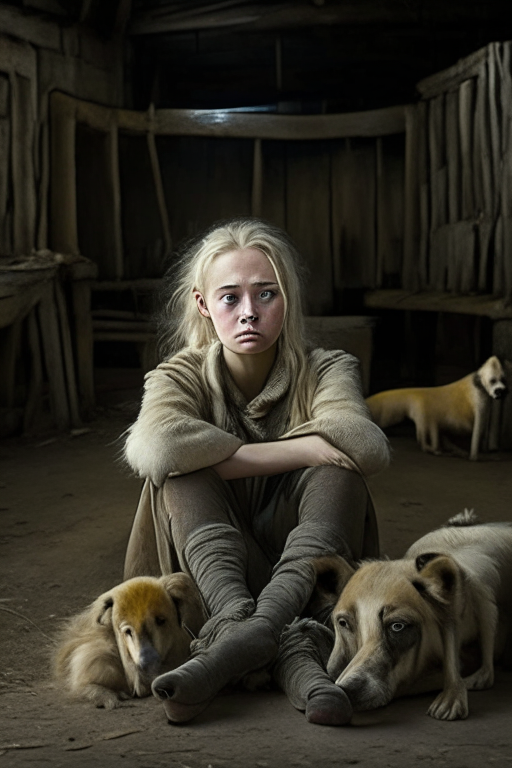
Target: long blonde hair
[181,325]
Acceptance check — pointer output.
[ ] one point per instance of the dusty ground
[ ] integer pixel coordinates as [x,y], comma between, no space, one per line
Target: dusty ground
[65,513]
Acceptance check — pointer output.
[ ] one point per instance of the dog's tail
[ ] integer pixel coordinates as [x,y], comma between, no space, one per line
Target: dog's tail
[467,517]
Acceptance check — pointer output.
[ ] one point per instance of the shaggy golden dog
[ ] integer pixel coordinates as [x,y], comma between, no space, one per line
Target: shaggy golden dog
[460,407]
[128,636]
[400,625]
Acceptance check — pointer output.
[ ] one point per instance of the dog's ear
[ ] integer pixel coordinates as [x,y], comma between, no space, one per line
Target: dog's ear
[105,614]
[438,578]
[332,573]
[187,599]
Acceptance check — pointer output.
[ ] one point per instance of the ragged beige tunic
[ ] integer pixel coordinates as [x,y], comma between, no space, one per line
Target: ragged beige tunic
[193,416]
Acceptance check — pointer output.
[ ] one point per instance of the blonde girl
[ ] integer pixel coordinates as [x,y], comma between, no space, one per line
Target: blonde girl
[254,448]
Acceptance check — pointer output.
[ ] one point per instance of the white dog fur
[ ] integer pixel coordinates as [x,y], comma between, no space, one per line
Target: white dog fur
[460,407]
[128,636]
[400,625]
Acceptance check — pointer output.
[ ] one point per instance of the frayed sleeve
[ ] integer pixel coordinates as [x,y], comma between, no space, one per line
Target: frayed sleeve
[172,435]
[340,415]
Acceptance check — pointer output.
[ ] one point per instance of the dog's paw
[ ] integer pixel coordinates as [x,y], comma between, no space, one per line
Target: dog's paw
[480,680]
[450,705]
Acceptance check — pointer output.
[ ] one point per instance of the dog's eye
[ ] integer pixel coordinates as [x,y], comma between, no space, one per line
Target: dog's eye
[493,381]
[397,626]
[159,621]
[127,631]
[343,623]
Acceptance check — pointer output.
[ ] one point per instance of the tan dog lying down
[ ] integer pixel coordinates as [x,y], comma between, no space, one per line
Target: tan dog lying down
[128,636]
[461,407]
[400,624]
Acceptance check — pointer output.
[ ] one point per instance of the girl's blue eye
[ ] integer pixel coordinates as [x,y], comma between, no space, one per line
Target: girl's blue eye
[267,294]
[229,299]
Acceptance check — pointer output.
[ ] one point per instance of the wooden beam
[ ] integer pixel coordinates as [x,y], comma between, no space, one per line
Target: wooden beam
[450,79]
[439,301]
[29,27]
[281,15]
[235,125]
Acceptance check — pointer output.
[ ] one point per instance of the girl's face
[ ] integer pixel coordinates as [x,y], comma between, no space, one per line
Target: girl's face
[243,301]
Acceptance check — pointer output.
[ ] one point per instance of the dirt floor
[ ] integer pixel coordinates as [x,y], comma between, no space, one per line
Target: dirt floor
[66,505]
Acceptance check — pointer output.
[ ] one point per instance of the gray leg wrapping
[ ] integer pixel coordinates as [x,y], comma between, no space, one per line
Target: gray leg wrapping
[229,648]
[299,671]
[216,556]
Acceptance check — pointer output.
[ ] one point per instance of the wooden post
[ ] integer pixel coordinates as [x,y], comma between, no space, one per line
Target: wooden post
[35,389]
[411,201]
[113,160]
[84,344]
[159,191]
[257,179]
[23,170]
[48,319]
[63,213]
[67,355]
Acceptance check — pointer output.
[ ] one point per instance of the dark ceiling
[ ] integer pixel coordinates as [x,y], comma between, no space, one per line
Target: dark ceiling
[293,56]
[301,56]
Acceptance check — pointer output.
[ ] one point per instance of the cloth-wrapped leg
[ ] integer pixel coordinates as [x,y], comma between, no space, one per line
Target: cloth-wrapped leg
[331,514]
[299,671]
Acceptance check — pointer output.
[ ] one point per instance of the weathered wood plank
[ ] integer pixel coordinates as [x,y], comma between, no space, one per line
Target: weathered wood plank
[63,207]
[466,118]
[273,201]
[435,301]
[84,346]
[453,156]
[144,247]
[48,321]
[390,212]
[410,274]
[450,79]
[257,179]
[5,164]
[29,27]
[112,151]
[23,171]
[190,122]
[424,190]
[307,219]
[67,356]
[160,195]
[354,214]
[506,167]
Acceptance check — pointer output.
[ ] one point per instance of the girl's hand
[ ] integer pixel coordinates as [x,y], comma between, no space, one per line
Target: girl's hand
[256,459]
[318,452]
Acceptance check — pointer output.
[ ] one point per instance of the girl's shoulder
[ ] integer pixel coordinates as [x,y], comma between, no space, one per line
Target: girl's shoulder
[321,359]
[187,364]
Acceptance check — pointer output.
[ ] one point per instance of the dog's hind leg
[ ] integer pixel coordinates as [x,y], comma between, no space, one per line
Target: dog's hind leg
[487,614]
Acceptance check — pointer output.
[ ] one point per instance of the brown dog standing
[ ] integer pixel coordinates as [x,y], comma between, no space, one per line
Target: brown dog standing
[460,407]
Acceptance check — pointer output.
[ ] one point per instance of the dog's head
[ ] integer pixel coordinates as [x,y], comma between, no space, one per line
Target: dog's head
[491,377]
[387,626]
[153,621]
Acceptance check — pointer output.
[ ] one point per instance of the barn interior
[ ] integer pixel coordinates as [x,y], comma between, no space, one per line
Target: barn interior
[378,135]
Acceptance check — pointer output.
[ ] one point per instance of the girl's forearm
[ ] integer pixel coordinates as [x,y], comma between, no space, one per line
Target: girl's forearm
[257,459]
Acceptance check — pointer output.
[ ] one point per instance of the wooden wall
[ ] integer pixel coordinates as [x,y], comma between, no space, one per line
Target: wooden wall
[36,57]
[461,177]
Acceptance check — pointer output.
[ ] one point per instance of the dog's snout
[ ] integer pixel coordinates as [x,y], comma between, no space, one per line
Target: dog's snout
[149,659]
[365,691]
[500,392]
